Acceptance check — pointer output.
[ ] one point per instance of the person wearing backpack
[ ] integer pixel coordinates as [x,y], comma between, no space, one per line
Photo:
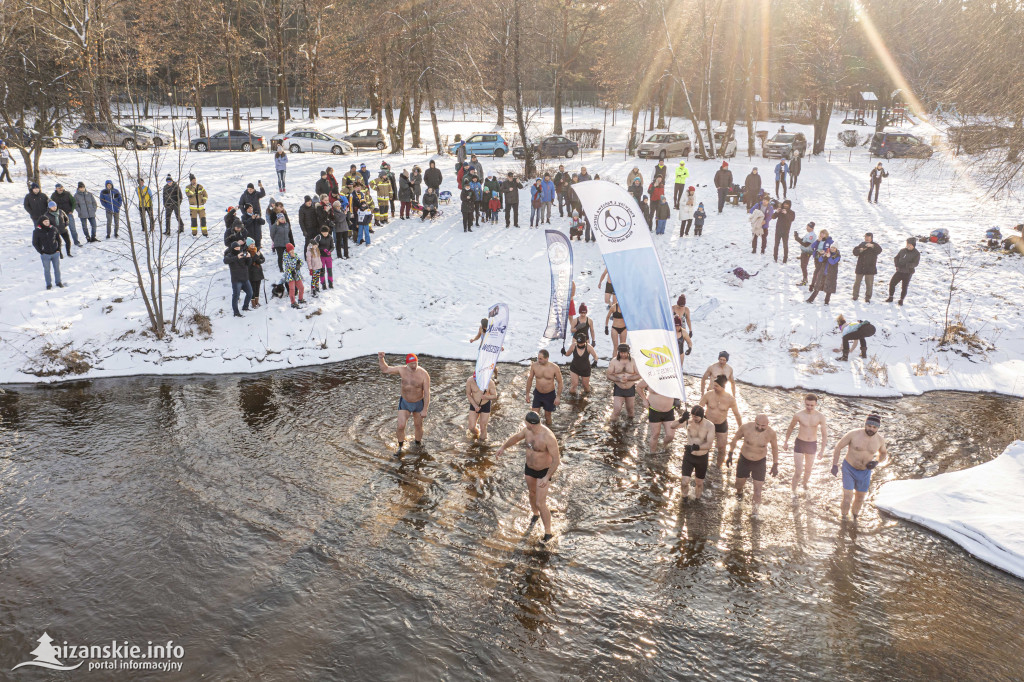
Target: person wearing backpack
[859,331]
[867,255]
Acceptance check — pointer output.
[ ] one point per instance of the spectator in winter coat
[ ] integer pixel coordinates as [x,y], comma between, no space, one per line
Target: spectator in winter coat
[806,250]
[280,167]
[429,202]
[5,159]
[46,241]
[818,247]
[756,219]
[146,199]
[363,218]
[536,202]
[235,233]
[784,218]
[405,195]
[66,202]
[660,171]
[794,169]
[364,173]
[432,177]
[723,181]
[35,204]
[510,193]
[492,185]
[307,220]
[855,334]
[253,223]
[293,275]
[256,261]
[867,255]
[877,173]
[646,208]
[584,176]
[460,154]
[315,265]
[250,197]
[468,206]
[280,235]
[238,259]
[656,190]
[751,189]
[906,262]
[339,218]
[663,212]
[59,219]
[333,186]
[827,274]
[636,188]
[111,201]
[197,196]
[326,259]
[172,198]
[322,186]
[475,164]
[416,180]
[462,173]
[633,175]
[547,197]
[561,181]
[682,173]
[699,216]
[85,205]
[781,169]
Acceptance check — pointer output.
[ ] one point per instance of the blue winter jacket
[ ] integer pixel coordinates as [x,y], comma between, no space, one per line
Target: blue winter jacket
[477,189]
[547,191]
[780,170]
[818,245]
[110,198]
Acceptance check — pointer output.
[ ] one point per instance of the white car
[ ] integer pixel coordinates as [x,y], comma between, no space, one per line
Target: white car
[306,140]
[160,137]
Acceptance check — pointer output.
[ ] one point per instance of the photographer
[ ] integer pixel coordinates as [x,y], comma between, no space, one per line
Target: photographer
[510,192]
[783,221]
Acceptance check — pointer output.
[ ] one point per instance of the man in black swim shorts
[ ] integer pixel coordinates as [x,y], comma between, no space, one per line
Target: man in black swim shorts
[479,406]
[701,436]
[549,385]
[542,460]
[623,374]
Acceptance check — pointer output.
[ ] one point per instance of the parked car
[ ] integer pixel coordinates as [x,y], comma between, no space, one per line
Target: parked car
[891,145]
[230,140]
[109,135]
[16,136]
[979,137]
[308,140]
[783,145]
[664,145]
[551,146]
[483,144]
[719,136]
[160,137]
[366,138]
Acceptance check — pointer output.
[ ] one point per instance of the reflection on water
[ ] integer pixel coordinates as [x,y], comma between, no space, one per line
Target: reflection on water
[262,523]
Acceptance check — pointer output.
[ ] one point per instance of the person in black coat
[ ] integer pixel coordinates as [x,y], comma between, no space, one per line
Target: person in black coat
[432,177]
[256,261]
[250,197]
[751,189]
[253,223]
[339,223]
[510,193]
[172,197]
[783,218]
[429,203]
[235,233]
[646,208]
[46,242]
[468,199]
[35,204]
[237,259]
[323,186]
[906,262]
[307,220]
[794,168]
[867,256]
[723,181]
[877,173]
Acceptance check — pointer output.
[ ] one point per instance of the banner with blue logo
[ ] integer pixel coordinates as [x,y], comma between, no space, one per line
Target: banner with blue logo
[490,349]
[639,281]
[560,261]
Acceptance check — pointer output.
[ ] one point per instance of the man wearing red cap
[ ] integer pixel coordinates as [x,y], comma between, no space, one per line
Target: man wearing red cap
[723,181]
[415,398]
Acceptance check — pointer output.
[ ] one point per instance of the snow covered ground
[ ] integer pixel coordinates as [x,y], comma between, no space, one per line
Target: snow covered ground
[978,508]
[423,287]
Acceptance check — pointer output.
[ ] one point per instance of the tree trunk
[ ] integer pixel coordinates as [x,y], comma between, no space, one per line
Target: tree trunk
[821,121]
[344,104]
[414,119]
[403,117]
[389,114]
[557,130]
[530,168]
[197,100]
[433,112]
[662,96]
[236,95]
[631,142]
[283,112]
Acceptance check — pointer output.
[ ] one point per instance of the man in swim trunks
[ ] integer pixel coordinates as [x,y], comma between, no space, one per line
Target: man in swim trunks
[541,464]
[622,373]
[720,368]
[701,436]
[754,455]
[806,447]
[415,399]
[718,402]
[479,406]
[859,462]
[549,385]
[660,413]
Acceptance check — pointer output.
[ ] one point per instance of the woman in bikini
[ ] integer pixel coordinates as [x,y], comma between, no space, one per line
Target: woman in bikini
[618,324]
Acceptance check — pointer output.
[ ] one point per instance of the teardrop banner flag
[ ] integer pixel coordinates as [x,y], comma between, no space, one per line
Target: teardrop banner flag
[487,358]
[560,261]
[639,282]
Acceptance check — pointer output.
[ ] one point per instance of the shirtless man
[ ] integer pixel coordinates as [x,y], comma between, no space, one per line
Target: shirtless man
[860,461]
[720,368]
[622,373]
[479,406]
[701,436]
[806,447]
[549,385]
[659,413]
[718,402]
[415,398]
[541,464]
[754,456]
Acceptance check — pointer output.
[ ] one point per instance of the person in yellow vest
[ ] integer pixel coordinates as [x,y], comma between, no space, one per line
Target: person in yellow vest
[197,197]
[382,186]
[145,195]
[682,174]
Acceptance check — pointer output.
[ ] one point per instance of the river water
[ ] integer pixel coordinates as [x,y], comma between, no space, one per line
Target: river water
[263,524]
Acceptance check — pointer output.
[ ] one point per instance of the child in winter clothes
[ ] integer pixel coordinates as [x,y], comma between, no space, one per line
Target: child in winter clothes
[364,216]
[326,247]
[698,220]
[494,206]
[316,266]
[293,275]
[255,270]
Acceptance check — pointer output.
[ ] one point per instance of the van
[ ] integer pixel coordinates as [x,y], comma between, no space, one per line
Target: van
[894,145]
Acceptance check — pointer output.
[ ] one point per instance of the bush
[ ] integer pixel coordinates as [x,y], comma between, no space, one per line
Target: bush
[849,138]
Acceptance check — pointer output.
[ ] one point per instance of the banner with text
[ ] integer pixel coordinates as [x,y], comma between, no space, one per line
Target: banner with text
[490,349]
[560,261]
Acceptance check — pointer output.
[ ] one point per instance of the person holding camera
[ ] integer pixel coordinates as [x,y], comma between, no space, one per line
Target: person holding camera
[783,221]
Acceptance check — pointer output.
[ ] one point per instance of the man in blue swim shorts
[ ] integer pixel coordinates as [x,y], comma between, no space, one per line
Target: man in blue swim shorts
[415,398]
[863,445]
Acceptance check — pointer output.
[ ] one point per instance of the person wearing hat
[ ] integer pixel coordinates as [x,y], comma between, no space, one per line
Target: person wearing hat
[172,197]
[281,236]
[197,196]
[751,189]
[636,188]
[415,396]
[85,205]
[682,174]
[645,208]
[479,406]
[542,461]
[806,242]
[699,216]
[322,185]
[293,275]
[794,168]
[5,159]
[906,262]
[230,216]
[145,197]
[235,233]
[59,219]
[256,261]
[662,214]
[382,186]
[111,201]
[35,204]
[238,259]
[475,164]
[580,365]
[623,374]
[877,173]
[753,461]
[46,242]
[253,223]
[781,170]
[718,402]
[783,218]
[865,451]
[250,197]
[723,181]
[510,196]
[867,257]
[827,275]
[339,225]
[307,220]
[66,202]
[432,177]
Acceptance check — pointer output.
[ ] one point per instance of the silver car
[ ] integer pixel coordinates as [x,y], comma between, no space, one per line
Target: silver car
[307,140]
[160,137]
[664,145]
[109,135]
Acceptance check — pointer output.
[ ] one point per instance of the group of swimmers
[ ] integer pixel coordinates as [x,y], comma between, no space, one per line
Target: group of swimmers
[706,424]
